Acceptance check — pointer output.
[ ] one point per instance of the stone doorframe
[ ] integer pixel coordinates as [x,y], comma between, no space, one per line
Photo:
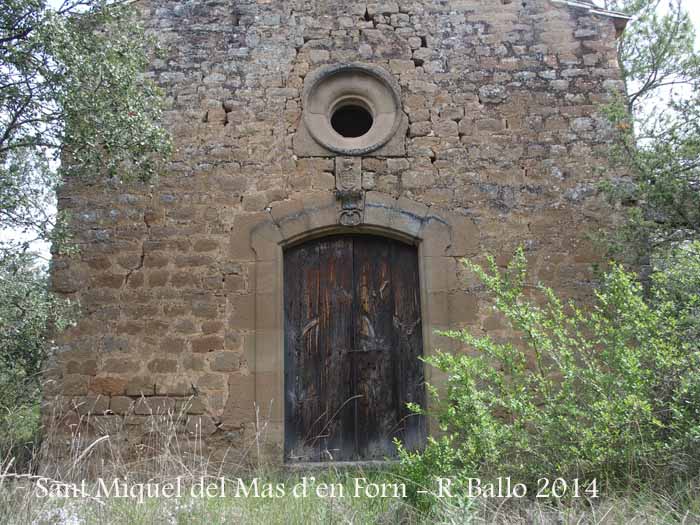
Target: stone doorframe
[440,237]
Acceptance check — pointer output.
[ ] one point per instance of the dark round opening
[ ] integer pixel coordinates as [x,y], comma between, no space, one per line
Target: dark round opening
[351,121]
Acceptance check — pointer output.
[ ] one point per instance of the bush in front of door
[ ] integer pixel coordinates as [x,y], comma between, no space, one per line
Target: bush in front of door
[610,392]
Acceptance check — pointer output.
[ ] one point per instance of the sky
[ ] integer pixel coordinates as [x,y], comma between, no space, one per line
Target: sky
[693,7]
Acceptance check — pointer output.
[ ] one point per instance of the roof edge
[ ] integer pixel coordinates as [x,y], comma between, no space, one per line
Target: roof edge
[619,19]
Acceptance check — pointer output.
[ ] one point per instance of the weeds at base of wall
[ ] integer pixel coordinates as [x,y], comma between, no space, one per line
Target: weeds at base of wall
[171,454]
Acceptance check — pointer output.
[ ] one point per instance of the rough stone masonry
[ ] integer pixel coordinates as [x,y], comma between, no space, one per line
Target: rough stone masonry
[498,140]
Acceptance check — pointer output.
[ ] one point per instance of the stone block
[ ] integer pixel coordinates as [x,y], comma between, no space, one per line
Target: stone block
[290,217]
[121,365]
[235,283]
[157,278]
[265,238]
[436,236]
[240,406]
[205,308]
[121,404]
[107,425]
[322,209]
[208,343]
[200,426]
[414,179]
[242,312]
[162,366]
[267,312]
[266,276]
[140,386]
[107,386]
[205,245]
[463,307]
[439,274]
[84,367]
[397,165]
[465,237]
[409,216]
[379,209]
[154,405]
[194,362]
[438,312]
[269,395]
[173,385]
[267,355]
[212,381]
[67,277]
[191,405]
[91,405]
[173,345]
[240,248]
[225,362]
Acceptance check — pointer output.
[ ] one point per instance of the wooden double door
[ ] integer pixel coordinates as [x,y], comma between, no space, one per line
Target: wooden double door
[352,346]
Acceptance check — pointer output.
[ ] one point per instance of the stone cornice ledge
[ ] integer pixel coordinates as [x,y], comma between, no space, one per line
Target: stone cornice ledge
[619,19]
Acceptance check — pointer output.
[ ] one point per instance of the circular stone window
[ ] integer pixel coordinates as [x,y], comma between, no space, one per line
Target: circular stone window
[351,109]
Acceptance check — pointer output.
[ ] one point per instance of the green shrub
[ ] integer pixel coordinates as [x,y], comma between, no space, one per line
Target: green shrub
[610,392]
[28,314]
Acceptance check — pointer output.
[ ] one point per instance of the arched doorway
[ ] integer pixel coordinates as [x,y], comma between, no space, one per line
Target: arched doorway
[353,338]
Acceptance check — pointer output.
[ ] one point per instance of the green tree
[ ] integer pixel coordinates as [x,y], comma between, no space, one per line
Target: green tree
[28,311]
[659,120]
[75,101]
[72,86]
[659,143]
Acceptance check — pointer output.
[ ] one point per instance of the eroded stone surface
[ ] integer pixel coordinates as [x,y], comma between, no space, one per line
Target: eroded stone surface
[180,282]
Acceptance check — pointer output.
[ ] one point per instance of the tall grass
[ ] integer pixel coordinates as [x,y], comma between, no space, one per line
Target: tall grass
[169,454]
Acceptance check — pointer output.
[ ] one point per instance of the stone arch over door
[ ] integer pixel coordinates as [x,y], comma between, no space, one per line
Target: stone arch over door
[260,240]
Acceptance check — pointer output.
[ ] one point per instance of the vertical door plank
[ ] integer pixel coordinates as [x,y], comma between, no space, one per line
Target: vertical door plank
[302,387]
[375,346]
[335,435]
[409,344]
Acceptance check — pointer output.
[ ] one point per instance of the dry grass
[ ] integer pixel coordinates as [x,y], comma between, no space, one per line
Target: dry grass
[19,508]
[170,454]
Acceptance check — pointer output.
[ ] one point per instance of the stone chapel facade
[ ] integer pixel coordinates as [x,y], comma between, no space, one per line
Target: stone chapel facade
[334,162]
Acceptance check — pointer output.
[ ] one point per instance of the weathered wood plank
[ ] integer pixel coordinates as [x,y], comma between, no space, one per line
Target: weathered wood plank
[335,340]
[409,344]
[302,403]
[373,356]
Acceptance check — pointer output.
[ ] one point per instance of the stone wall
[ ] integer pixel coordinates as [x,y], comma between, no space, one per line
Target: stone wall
[179,281]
